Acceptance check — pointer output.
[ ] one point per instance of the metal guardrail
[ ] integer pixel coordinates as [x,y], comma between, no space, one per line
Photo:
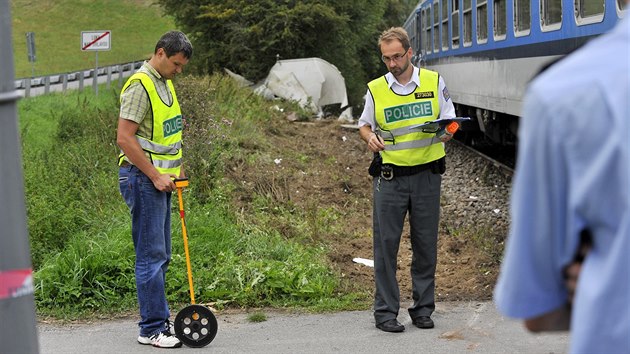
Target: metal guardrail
[28,87]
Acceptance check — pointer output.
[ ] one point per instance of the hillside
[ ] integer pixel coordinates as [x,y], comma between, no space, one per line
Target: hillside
[135,25]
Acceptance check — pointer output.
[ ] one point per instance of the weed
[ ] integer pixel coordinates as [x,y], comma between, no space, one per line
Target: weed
[257,316]
[485,239]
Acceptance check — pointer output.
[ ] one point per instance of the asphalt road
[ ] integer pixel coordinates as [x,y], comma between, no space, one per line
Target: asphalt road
[460,327]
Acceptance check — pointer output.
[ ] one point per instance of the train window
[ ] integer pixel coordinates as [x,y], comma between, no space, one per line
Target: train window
[417,34]
[482,21]
[455,22]
[445,16]
[550,14]
[426,40]
[427,24]
[413,38]
[522,22]
[591,11]
[436,28]
[500,19]
[468,31]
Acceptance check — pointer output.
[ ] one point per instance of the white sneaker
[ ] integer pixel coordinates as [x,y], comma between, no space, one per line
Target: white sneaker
[170,327]
[162,339]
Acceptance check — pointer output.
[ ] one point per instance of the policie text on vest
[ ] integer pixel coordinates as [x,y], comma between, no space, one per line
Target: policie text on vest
[408,111]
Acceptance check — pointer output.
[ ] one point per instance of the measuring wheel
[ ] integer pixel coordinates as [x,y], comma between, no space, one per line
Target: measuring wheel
[196,326]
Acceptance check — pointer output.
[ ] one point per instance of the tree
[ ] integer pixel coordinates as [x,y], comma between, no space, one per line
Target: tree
[248,37]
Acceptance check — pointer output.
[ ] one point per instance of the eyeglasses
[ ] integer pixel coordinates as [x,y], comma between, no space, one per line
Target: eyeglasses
[396,57]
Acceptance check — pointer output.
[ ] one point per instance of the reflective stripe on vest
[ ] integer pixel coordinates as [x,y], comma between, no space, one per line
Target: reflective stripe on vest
[412,144]
[164,148]
[396,113]
[150,146]
[167,164]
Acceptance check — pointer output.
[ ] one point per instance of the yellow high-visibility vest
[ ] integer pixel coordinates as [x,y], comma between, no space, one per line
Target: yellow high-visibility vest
[394,115]
[164,147]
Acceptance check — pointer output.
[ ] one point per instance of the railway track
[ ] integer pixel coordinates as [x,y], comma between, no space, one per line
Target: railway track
[504,161]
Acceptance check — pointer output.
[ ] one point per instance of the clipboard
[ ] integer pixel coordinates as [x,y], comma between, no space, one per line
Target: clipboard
[435,125]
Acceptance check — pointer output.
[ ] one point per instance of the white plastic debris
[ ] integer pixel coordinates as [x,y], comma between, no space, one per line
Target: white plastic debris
[277,161]
[496,211]
[472,197]
[344,138]
[367,262]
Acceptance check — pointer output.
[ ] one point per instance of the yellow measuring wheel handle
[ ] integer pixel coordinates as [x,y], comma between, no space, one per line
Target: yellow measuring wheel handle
[180,184]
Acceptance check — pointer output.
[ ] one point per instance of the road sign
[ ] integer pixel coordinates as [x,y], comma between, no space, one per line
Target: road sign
[96,40]
[30,45]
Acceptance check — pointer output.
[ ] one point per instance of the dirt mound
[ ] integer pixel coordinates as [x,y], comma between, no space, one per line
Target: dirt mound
[322,165]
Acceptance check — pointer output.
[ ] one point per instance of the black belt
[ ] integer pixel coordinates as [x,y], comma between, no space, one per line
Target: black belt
[411,170]
[389,171]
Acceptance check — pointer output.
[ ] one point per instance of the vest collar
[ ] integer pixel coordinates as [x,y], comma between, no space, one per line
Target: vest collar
[415,78]
[151,70]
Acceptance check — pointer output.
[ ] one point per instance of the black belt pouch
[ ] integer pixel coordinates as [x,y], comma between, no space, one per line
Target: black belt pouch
[375,167]
[439,166]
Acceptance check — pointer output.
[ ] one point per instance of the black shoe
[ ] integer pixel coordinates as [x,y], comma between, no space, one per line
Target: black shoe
[423,322]
[391,326]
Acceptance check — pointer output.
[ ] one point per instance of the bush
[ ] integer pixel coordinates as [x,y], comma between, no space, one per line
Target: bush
[69,181]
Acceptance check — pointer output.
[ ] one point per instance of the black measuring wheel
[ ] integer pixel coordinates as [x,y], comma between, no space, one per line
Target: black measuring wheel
[195,326]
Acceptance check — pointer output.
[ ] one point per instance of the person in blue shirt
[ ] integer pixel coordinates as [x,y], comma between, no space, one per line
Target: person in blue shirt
[573,178]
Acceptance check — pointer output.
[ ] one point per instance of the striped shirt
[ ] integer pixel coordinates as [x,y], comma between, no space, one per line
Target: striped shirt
[134,101]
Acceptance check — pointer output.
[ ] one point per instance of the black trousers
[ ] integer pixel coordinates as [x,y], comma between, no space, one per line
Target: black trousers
[418,195]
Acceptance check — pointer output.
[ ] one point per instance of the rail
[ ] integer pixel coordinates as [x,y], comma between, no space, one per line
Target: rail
[507,170]
[28,87]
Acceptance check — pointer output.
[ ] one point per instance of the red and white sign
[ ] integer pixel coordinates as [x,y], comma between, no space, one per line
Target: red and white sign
[16,283]
[96,40]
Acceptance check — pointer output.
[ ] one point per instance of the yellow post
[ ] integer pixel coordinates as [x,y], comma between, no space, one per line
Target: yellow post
[180,184]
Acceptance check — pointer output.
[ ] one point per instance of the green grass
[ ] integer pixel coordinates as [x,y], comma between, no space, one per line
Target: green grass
[40,115]
[69,151]
[136,26]
[257,316]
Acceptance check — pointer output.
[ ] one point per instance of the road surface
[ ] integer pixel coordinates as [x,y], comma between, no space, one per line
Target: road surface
[460,327]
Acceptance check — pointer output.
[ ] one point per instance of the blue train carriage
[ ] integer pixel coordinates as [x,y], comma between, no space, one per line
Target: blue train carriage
[488,50]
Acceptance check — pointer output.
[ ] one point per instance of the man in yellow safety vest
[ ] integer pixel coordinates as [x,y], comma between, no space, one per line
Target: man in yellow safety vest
[407,176]
[149,135]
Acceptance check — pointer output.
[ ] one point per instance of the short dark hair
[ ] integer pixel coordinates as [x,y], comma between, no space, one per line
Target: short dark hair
[395,33]
[174,42]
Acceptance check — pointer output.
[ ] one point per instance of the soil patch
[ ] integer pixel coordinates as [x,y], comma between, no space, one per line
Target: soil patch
[321,164]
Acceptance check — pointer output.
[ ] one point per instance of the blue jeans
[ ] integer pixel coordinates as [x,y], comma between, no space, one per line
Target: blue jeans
[151,233]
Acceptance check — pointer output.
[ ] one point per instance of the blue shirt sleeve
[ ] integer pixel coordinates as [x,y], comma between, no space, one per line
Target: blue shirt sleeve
[530,282]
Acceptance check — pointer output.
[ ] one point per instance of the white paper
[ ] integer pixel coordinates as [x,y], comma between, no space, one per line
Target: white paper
[367,262]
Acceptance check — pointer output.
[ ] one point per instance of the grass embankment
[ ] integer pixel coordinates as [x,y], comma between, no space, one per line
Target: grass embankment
[80,227]
[136,26]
